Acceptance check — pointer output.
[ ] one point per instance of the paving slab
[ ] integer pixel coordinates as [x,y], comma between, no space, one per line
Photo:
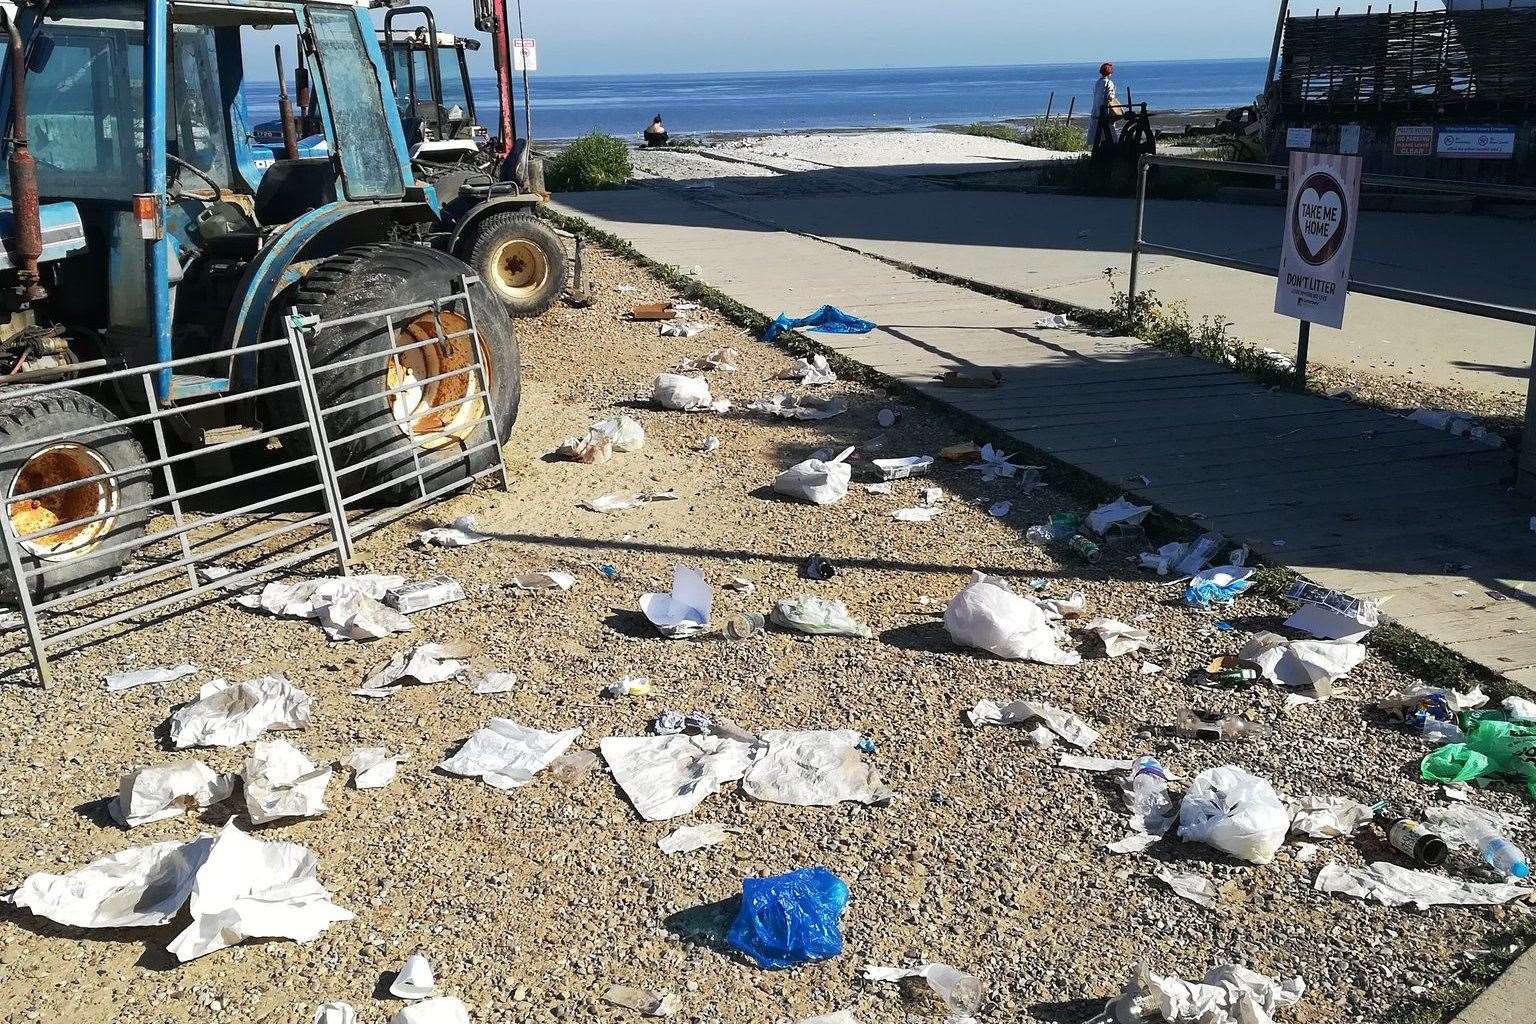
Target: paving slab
[1351,497]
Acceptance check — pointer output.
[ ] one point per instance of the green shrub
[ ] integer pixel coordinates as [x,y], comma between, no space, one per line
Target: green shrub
[1057,135]
[1006,132]
[593,161]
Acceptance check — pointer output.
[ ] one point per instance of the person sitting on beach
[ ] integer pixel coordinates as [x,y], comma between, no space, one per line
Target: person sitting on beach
[1105,106]
[656,134]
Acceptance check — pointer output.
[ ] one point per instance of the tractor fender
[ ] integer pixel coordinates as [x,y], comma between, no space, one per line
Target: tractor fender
[324,231]
[478,212]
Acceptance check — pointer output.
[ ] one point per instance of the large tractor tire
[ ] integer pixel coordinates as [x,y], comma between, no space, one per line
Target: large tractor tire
[423,423]
[96,443]
[520,259]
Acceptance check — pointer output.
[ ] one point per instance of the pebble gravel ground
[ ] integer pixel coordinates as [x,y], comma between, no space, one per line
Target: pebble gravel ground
[529,904]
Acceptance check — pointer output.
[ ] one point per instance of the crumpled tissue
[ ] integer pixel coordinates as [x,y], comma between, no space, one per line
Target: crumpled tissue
[1301,663]
[168,791]
[666,776]
[810,371]
[806,407]
[442,1010]
[347,607]
[1229,995]
[1328,817]
[507,755]
[1117,513]
[988,615]
[1118,637]
[228,714]
[373,767]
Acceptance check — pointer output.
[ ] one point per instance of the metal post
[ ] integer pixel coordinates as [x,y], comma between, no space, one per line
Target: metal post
[1071,107]
[1525,475]
[157,247]
[1303,336]
[320,439]
[1274,51]
[170,480]
[1049,104]
[1136,235]
[24,598]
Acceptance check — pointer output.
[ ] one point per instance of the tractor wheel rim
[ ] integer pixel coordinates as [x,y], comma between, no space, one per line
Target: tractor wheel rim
[519,268]
[49,467]
[426,412]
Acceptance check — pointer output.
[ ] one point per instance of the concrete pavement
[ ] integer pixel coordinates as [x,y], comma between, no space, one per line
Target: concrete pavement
[1059,247]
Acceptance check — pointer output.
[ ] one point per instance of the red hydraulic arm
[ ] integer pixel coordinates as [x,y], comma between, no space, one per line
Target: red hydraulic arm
[491,17]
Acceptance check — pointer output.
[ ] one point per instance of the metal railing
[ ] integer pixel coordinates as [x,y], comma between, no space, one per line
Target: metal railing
[151,534]
[1526,481]
[160,535]
[439,461]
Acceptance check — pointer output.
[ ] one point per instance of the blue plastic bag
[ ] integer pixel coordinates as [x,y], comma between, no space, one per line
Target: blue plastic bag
[790,919]
[827,319]
[1219,585]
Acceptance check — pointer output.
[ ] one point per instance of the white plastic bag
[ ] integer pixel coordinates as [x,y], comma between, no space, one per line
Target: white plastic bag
[989,616]
[1236,812]
[816,481]
[687,394]
[625,432]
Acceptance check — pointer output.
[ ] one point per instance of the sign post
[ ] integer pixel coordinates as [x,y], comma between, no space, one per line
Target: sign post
[1321,214]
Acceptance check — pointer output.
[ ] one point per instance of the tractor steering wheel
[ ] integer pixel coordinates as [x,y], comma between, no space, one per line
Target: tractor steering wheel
[174,188]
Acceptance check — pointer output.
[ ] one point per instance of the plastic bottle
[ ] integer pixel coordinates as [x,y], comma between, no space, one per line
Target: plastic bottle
[1202,725]
[1146,790]
[1497,852]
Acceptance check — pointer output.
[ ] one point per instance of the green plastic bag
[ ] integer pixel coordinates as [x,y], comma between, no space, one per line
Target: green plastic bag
[1492,748]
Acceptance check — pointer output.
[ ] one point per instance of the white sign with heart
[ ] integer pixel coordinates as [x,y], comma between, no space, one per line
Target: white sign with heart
[1319,239]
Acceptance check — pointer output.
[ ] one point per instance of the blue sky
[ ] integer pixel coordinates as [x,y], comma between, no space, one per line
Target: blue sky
[586,37]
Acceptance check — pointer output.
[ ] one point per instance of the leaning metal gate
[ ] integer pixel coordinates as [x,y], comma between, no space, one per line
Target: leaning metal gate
[160,537]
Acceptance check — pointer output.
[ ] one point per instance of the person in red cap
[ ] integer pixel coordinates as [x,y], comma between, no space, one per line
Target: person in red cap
[1105,104]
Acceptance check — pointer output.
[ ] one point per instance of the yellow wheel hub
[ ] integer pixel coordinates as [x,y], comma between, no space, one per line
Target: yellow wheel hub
[519,269]
[426,411]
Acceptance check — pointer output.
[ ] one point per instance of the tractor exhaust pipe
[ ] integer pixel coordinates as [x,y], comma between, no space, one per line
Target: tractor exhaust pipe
[285,108]
[27,240]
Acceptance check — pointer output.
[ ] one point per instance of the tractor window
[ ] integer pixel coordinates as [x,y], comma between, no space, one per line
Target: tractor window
[199,137]
[80,119]
[364,142]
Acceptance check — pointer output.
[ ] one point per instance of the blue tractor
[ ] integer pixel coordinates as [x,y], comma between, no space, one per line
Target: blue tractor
[142,222]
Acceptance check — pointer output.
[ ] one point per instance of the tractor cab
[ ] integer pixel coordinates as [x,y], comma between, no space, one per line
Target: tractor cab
[145,226]
[434,96]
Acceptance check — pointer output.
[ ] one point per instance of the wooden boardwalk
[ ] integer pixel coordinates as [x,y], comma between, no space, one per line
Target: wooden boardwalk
[1352,498]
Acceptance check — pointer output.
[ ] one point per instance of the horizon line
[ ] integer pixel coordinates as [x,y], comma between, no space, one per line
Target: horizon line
[913,67]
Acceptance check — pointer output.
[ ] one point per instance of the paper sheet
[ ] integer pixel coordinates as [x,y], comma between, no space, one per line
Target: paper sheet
[167,791]
[1116,513]
[1301,663]
[117,682]
[335,1013]
[228,714]
[460,533]
[496,682]
[807,407]
[1396,886]
[249,889]
[140,886]
[685,611]
[280,782]
[642,1001]
[1195,888]
[666,776]
[1063,723]
[414,980]
[813,768]
[426,664]
[360,617]
[347,607]
[507,755]
[687,838]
